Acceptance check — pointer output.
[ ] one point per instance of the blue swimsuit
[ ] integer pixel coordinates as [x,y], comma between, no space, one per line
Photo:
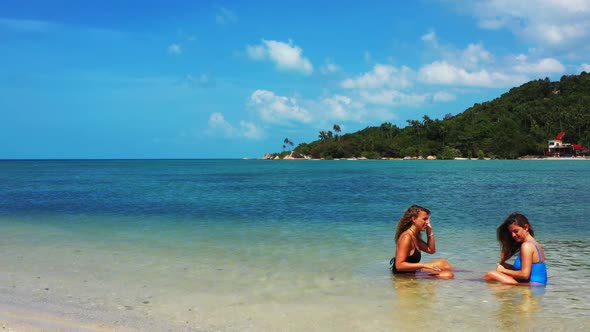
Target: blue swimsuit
[538,270]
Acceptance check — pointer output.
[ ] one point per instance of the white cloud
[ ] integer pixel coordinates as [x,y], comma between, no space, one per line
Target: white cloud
[286,56]
[219,126]
[217,123]
[552,23]
[556,34]
[474,55]
[278,109]
[343,108]
[493,23]
[442,96]
[585,67]
[380,76]
[441,72]
[249,130]
[338,107]
[174,49]
[225,16]
[543,66]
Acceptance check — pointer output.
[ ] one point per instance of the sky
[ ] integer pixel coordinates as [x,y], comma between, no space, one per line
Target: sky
[233,79]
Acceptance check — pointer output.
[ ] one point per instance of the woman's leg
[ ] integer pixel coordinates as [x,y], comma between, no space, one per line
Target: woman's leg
[499,277]
[446,274]
[443,264]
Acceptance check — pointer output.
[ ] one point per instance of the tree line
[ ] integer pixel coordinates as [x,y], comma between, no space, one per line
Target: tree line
[518,123]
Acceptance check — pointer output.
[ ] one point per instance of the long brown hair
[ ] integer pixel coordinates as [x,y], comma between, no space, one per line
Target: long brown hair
[405,221]
[509,245]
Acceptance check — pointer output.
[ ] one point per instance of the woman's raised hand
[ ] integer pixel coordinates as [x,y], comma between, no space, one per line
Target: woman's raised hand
[428,226]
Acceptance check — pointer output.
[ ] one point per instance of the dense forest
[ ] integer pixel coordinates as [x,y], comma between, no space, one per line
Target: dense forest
[518,123]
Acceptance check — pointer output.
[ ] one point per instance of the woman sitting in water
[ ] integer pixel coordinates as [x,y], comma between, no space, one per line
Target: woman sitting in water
[516,234]
[409,244]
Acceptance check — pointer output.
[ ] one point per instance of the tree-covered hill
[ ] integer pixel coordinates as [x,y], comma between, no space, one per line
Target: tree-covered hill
[520,122]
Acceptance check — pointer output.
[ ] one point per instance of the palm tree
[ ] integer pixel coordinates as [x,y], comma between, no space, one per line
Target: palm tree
[287,141]
[323,136]
[337,129]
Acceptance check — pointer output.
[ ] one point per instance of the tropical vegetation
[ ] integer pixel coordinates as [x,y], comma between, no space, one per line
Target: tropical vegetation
[519,122]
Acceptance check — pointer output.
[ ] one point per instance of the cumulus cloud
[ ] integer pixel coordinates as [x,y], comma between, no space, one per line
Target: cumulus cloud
[543,66]
[474,55]
[387,86]
[585,67]
[285,56]
[340,108]
[551,23]
[343,108]
[441,72]
[278,109]
[493,23]
[380,76]
[249,130]
[225,16]
[442,96]
[219,126]
[217,122]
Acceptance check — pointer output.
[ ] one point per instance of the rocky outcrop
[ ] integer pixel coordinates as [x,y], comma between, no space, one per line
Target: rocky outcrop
[294,155]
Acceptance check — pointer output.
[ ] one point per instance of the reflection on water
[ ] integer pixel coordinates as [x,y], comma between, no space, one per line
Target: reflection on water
[414,299]
[517,305]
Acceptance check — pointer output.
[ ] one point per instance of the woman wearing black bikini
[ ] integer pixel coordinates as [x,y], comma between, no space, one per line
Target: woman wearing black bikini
[409,244]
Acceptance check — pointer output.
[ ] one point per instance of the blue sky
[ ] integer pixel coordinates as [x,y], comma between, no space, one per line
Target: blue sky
[233,79]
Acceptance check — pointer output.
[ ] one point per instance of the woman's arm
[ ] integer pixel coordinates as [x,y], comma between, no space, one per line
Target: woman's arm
[430,245]
[402,250]
[503,260]
[526,263]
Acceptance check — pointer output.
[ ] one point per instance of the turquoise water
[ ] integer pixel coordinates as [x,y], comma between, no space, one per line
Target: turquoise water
[286,245]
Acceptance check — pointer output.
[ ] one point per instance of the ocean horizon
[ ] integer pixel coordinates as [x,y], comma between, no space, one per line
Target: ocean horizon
[234,244]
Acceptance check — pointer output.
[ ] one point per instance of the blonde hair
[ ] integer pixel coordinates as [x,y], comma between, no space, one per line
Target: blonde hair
[405,221]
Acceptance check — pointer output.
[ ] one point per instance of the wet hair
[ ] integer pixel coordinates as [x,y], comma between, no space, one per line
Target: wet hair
[509,245]
[405,221]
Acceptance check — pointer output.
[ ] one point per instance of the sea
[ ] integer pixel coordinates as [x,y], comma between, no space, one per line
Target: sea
[276,245]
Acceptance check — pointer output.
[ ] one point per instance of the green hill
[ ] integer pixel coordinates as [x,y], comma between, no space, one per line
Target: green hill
[520,122]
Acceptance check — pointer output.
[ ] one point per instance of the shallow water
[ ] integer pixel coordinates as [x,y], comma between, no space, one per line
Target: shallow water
[276,245]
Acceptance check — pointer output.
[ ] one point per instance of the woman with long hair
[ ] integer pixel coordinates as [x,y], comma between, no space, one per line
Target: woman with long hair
[516,235]
[409,245]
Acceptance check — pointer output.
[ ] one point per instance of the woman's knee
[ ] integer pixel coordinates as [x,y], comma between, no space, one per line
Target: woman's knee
[443,264]
[447,274]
